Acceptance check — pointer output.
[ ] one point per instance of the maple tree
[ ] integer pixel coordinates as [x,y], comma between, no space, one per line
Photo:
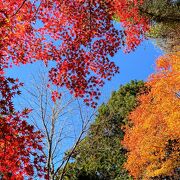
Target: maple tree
[79,35]
[20,144]
[153,136]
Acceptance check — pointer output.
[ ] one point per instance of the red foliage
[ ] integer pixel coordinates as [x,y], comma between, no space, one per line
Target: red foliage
[79,35]
[135,25]
[20,145]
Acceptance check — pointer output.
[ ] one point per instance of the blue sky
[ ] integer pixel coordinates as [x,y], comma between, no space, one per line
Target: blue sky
[135,65]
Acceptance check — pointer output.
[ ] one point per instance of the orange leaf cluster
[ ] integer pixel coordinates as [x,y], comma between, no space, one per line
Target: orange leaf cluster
[153,139]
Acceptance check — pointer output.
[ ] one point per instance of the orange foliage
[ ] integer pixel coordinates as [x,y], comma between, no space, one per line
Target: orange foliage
[153,140]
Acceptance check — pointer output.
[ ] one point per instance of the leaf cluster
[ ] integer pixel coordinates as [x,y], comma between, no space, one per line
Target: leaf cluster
[20,145]
[153,140]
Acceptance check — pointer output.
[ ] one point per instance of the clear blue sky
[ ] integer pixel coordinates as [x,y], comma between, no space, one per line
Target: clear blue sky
[136,65]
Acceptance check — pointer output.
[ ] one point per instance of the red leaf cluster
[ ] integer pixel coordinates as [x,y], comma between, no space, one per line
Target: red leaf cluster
[79,35]
[20,145]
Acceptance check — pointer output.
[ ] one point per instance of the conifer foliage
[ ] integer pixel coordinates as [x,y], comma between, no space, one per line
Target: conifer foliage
[100,155]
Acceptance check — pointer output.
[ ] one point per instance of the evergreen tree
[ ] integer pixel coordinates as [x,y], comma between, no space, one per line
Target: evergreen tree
[100,155]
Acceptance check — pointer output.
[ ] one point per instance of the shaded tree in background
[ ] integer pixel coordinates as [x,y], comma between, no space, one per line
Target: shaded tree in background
[20,145]
[100,154]
[165,22]
[153,137]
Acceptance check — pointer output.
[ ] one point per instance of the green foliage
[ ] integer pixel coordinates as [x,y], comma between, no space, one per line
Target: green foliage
[167,36]
[165,22]
[161,10]
[100,155]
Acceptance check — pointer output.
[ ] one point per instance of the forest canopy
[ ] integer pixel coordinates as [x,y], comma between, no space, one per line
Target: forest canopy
[135,135]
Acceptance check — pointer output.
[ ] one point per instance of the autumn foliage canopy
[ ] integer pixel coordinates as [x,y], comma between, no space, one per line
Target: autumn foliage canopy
[79,35]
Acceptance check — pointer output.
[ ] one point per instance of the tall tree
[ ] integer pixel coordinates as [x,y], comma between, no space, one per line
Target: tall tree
[153,137]
[62,122]
[100,155]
